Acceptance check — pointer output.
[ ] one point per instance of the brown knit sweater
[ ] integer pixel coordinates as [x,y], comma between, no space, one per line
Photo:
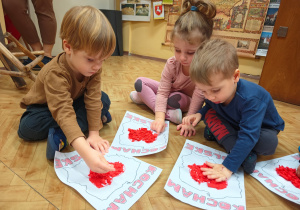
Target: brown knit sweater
[57,86]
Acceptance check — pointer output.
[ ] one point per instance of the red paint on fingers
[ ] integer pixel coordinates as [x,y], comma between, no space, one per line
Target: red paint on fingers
[198,176]
[103,179]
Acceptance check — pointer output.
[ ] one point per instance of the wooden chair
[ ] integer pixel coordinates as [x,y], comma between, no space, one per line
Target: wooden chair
[12,65]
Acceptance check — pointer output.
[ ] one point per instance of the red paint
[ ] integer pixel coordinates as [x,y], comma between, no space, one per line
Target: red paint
[102,180]
[142,134]
[198,176]
[289,174]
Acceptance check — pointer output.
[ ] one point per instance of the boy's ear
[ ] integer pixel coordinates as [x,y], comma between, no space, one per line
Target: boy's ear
[66,46]
[236,75]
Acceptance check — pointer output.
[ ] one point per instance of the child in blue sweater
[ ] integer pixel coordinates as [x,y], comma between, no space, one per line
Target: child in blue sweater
[238,114]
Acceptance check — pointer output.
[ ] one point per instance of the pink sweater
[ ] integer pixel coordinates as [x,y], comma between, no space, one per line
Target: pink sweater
[173,80]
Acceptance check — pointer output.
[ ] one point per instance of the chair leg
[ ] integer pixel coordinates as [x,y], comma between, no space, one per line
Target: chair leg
[12,63]
[19,81]
[22,48]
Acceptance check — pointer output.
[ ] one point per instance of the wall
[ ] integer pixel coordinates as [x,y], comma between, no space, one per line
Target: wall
[145,38]
[61,7]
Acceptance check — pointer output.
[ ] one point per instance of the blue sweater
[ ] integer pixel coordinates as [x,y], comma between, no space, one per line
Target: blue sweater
[251,109]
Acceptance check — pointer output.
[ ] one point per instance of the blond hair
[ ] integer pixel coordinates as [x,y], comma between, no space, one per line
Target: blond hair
[200,19]
[86,28]
[213,57]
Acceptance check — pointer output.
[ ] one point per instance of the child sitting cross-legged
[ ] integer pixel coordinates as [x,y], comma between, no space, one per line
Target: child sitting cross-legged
[176,93]
[66,99]
[238,114]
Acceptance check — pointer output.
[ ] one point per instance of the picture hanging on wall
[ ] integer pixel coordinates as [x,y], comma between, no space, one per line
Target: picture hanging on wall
[267,32]
[158,10]
[167,2]
[239,22]
[135,10]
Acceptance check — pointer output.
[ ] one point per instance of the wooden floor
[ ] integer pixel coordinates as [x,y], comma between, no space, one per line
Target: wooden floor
[28,179]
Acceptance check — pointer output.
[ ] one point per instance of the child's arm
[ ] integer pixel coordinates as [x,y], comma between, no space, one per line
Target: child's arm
[167,79]
[97,143]
[190,121]
[159,123]
[93,103]
[93,158]
[217,171]
[197,101]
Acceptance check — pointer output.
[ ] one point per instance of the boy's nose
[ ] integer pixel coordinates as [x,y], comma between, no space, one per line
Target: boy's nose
[97,66]
[210,97]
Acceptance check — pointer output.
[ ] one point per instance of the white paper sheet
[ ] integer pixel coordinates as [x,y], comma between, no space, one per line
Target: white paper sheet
[181,185]
[124,190]
[123,145]
[265,172]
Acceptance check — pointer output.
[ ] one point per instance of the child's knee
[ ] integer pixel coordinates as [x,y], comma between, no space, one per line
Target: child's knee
[28,133]
[173,101]
[31,128]
[270,149]
[105,100]
[268,142]
[138,84]
[22,132]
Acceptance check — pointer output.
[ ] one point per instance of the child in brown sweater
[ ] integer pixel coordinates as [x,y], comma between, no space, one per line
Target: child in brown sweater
[66,99]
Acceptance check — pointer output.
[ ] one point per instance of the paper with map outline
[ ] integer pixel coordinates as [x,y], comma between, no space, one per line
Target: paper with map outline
[124,190]
[265,173]
[181,186]
[123,145]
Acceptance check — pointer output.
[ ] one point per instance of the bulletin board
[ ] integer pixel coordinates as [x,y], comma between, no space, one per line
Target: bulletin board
[237,21]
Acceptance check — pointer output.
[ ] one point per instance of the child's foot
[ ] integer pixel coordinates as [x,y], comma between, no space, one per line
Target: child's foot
[208,135]
[174,115]
[56,142]
[45,60]
[106,118]
[134,96]
[250,162]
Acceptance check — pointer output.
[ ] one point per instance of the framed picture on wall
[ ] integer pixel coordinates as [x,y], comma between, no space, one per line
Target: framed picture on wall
[135,10]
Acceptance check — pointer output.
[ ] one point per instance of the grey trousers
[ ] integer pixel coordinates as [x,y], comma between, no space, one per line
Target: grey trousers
[226,135]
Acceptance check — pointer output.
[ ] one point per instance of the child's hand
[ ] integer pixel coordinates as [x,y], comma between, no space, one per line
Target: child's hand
[96,162]
[298,171]
[97,142]
[193,118]
[158,125]
[217,171]
[93,158]
[186,130]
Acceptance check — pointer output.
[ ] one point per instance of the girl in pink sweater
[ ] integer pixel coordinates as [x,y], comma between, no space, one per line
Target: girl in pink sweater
[176,93]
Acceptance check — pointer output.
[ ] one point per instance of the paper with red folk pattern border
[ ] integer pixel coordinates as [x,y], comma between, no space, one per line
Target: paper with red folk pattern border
[146,141]
[265,172]
[204,195]
[124,190]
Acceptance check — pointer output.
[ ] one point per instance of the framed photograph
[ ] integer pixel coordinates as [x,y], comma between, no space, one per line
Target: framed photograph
[135,10]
